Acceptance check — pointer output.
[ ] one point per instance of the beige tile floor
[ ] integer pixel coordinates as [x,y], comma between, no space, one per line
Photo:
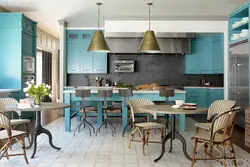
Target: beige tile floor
[107,151]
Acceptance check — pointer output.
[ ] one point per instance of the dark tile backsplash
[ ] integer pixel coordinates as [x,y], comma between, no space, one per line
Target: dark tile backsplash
[162,69]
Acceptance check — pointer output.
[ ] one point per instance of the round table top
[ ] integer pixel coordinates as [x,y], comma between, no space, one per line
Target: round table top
[167,109]
[42,107]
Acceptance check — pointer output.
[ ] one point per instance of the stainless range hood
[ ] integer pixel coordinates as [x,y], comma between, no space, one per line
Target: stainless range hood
[170,43]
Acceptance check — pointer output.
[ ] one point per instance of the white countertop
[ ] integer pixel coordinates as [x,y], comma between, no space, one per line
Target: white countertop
[94,89]
[204,87]
[3,91]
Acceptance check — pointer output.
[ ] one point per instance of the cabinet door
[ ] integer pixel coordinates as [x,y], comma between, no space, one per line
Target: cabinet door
[206,55]
[28,44]
[192,60]
[100,63]
[196,95]
[218,56]
[73,36]
[86,58]
[73,64]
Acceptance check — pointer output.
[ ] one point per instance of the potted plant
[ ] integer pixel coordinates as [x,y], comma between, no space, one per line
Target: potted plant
[37,91]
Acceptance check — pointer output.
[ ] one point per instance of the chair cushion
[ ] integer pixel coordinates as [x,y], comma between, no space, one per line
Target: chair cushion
[19,121]
[150,125]
[205,135]
[89,109]
[205,126]
[15,133]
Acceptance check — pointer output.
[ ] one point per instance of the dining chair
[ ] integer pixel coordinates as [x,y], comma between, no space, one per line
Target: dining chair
[107,93]
[4,104]
[217,107]
[83,94]
[220,134]
[144,128]
[7,135]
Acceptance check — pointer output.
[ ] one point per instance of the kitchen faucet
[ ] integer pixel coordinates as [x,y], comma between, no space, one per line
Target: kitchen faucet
[87,78]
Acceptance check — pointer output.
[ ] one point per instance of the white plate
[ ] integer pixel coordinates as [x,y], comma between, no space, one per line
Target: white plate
[190,104]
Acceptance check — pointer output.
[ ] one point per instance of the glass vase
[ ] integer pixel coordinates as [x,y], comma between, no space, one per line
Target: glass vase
[37,99]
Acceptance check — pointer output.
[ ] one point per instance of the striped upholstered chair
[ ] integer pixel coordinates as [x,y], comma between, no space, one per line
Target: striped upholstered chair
[217,107]
[144,128]
[4,103]
[7,135]
[220,134]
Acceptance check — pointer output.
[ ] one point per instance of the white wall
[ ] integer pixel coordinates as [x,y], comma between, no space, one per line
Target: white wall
[176,26]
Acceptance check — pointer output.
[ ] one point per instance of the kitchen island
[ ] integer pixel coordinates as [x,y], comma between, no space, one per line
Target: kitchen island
[69,98]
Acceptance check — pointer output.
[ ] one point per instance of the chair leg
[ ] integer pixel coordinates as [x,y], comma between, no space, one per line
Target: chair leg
[147,136]
[124,130]
[6,151]
[132,138]
[224,154]
[143,142]
[162,134]
[194,152]
[90,125]
[233,153]
[24,151]
[27,132]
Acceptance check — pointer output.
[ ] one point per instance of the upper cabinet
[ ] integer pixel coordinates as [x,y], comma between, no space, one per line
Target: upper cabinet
[79,60]
[207,55]
[239,24]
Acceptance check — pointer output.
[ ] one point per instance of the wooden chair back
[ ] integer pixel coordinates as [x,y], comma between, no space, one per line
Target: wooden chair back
[135,105]
[5,102]
[219,106]
[5,123]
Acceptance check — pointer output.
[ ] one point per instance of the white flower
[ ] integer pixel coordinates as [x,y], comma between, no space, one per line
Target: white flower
[27,94]
[50,95]
[27,82]
[36,86]
[29,86]
[49,87]
[32,81]
[25,89]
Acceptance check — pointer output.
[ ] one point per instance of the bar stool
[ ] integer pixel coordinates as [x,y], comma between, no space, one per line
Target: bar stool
[126,93]
[84,93]
[166,92]
[106,93]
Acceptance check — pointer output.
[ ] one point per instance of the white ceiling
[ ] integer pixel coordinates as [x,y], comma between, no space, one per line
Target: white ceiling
[83,13]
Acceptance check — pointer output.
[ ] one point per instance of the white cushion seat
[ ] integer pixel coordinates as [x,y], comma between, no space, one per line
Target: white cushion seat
[205,126]
[150,125]
[15,133]
[205,135]
[19,121]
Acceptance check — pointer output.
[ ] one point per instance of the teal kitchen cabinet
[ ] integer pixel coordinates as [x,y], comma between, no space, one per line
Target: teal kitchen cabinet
[100,63]
[207,55]
[17,39]
[218,55]
[192,65]
[73,64]
[79,60]
[214,94]
[196,95]
[203,96]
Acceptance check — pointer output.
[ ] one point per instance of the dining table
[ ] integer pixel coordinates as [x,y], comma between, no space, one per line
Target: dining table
[173,133]
[39,129]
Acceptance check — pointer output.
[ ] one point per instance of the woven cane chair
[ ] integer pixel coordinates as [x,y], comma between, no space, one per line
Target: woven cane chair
[143,128]
[220,134]
[217,107]
[7,135]
[4,103]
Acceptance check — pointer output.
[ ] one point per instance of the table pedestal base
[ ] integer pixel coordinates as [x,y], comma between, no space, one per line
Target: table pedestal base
[172,135]
[39,130]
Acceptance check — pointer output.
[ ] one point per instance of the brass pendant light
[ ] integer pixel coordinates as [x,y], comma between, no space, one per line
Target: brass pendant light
[149,43]
[98,42]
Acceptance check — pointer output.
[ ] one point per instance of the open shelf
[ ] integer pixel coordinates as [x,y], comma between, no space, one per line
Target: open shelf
[240,27]
[239,40]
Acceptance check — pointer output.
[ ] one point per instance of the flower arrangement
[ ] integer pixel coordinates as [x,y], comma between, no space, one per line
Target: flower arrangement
[36,91]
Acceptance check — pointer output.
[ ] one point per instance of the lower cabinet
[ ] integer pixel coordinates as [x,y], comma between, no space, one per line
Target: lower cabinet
[204,97]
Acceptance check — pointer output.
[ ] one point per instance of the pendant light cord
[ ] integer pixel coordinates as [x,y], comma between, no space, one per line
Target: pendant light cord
[98,20]
[149,14]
